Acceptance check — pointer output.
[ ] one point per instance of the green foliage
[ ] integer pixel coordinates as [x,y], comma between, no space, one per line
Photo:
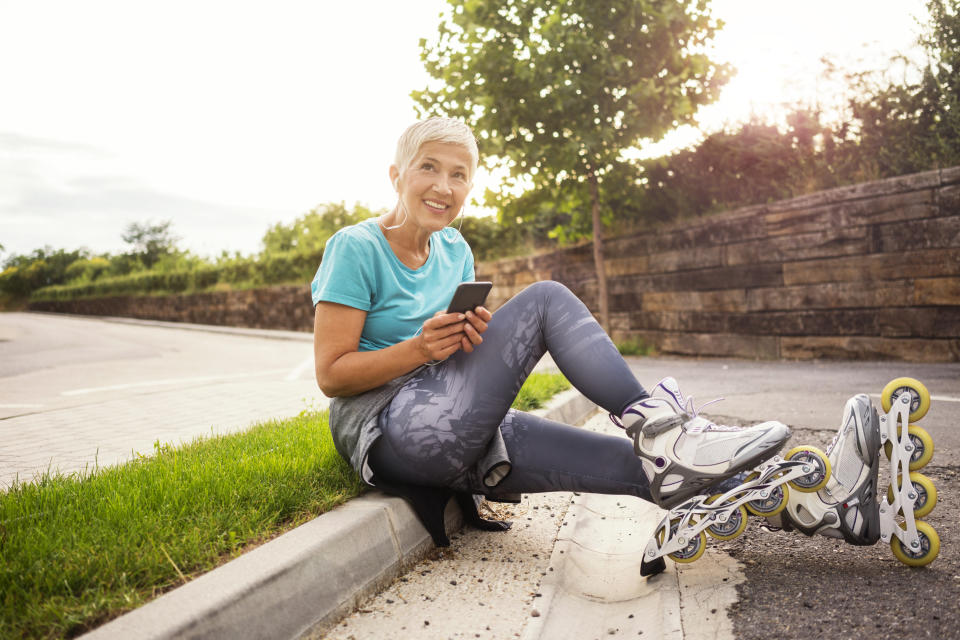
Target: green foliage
[309,233]
[556,90]
[23,274]
[150,242]
[634,347]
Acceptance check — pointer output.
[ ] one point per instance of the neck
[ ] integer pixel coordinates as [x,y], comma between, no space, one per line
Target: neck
[410,243]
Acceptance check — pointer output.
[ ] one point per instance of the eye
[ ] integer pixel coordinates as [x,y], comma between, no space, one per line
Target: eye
[426,166]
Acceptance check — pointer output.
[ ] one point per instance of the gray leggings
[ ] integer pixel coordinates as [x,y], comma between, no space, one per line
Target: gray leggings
[442,420]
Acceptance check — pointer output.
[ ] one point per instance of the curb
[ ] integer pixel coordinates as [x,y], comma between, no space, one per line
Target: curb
[306,580]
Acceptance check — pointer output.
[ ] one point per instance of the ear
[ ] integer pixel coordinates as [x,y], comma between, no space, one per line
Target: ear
[395,177]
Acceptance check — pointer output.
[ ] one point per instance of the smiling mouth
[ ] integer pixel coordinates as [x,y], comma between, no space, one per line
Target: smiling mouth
[434,204]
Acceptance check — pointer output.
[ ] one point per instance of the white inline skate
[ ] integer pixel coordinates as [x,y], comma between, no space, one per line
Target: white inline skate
[850,506]
[683,453]
[838,498]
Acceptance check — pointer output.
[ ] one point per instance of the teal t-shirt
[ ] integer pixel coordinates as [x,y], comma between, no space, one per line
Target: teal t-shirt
[360,270]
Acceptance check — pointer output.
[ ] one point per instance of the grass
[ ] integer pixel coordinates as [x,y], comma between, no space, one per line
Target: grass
[77,550]
[539,388]
[634,347]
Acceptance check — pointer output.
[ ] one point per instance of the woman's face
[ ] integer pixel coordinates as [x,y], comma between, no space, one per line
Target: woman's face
[435,185]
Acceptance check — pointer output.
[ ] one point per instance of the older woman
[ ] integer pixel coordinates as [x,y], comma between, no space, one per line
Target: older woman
[421,398]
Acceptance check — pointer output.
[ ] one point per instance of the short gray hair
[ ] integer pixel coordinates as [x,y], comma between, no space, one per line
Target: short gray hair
[447,130]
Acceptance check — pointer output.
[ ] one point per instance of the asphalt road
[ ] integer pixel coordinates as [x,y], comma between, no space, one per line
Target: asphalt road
[804,588]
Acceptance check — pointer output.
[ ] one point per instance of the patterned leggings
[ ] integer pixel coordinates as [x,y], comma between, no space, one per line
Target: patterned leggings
[441,422]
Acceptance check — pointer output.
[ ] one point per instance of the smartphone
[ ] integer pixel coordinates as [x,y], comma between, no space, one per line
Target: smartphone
[468,296]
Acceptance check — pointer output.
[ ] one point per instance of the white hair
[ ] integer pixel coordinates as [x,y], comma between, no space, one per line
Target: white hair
[446,130]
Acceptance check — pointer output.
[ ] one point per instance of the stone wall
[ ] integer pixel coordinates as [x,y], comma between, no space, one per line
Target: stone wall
[870,271]
[269,308]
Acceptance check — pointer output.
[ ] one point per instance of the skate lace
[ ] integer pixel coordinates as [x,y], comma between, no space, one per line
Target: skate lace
[703,424]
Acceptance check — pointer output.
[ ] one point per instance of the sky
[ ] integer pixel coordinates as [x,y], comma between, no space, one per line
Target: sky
[229,117]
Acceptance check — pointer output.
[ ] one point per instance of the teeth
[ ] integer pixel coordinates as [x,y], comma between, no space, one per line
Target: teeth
[436,205]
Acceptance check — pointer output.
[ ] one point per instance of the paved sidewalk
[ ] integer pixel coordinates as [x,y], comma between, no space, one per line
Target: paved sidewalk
[77,392]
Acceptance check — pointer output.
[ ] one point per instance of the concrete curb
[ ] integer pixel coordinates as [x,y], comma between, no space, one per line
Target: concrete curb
[304,581]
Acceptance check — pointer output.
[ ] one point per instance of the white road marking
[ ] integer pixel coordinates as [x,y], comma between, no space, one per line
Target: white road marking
[298,371]
[155,383]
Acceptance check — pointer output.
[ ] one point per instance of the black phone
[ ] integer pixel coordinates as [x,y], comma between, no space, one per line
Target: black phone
[468,296]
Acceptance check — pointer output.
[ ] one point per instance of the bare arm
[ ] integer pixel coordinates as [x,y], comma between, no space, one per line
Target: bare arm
[341,370]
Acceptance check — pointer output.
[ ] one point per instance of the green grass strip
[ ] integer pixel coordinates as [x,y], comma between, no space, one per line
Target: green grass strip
[77,550]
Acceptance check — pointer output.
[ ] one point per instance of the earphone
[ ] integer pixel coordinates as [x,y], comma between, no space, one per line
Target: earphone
[396,183]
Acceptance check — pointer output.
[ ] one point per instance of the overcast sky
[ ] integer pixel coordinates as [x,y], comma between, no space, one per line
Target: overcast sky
[228,117]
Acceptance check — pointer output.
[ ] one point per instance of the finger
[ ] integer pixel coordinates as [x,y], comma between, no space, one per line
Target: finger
[473,335]
[441,319]
[466,345]
[447,331]
[476,322]
[484,313]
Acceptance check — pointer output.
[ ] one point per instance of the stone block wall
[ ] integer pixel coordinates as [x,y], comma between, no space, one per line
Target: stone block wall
[870,271]
[268,308]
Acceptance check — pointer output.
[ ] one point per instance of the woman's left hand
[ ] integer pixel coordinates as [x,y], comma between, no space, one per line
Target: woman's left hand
[475,325]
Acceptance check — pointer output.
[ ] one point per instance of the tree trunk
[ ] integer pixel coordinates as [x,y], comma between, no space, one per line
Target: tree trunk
[598,252]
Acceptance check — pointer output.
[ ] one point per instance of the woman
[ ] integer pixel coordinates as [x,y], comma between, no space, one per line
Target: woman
[421,398]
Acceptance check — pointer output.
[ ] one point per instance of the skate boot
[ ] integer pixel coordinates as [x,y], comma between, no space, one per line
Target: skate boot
[847,506]
[683,453]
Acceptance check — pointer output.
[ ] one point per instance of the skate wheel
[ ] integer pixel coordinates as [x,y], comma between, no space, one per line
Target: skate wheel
[817,478]
[919,400]
[926,494]
[922,556]
[694,549]
[922,446]
[733,527]
[771,506]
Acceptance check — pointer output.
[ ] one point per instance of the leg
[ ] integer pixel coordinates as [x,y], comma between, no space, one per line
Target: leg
[544,456]
[549,456]
[442,421]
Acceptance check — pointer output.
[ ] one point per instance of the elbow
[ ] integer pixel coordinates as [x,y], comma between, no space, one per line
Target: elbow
[328,387]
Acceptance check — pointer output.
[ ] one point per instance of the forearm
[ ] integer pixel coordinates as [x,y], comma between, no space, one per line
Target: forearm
[359,371]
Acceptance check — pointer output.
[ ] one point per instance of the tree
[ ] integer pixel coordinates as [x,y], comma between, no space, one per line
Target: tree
[150,242]
[557,89]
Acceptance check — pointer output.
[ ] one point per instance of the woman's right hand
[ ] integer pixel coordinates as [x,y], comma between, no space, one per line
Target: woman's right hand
[441,335]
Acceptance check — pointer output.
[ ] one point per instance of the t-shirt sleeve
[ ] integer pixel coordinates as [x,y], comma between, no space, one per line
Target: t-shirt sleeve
[344,275]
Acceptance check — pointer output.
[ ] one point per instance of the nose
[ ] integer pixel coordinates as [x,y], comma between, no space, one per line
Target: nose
[442,185]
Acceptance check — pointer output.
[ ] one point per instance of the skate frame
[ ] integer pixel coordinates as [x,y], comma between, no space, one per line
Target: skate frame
[772,473]
[905,496]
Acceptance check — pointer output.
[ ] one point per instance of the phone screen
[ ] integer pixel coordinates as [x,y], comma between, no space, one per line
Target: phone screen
[468,296]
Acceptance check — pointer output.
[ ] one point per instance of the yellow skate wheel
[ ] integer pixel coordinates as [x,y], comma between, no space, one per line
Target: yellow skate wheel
[818,476]
[922,556]
[919,400]
[922,446]
[771,506]
[926,494]
[690,553]
[733,527]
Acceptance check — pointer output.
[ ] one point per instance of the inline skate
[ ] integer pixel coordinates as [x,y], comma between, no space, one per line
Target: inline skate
[851,506]
[683,453]
[842,503]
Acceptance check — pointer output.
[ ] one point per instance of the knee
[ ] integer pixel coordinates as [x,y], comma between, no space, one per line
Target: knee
[548,288]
